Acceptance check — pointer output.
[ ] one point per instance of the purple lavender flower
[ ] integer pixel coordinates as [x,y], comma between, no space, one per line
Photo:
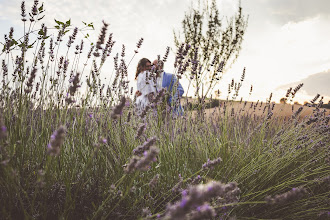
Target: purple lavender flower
[149,157]
[3,130]
[210,164]
[154,181]
[183,203]
[293,194]
[198,196]
[117,111]
[145,146]
[140,131]
[23,14]
[56,140]
[202,212]
[142,163]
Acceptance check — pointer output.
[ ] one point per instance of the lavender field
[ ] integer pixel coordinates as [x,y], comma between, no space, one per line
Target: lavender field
[73,146]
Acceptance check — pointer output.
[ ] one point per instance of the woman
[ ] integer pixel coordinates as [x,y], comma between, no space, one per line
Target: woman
[145,84]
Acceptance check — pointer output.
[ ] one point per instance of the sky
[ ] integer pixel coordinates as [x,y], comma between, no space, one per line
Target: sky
[286,42]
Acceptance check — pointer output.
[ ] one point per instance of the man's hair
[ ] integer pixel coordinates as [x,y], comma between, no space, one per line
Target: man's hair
[160,64]
[142,63]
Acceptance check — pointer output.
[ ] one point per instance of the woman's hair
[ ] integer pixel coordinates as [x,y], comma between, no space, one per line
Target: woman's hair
[142,63]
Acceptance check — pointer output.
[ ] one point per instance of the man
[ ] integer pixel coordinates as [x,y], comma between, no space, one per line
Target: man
[169,81]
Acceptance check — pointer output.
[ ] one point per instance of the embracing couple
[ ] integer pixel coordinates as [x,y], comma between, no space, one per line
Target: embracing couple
[151,79]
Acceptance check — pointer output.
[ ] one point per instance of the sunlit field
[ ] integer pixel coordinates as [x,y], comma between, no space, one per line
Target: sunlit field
[73,146]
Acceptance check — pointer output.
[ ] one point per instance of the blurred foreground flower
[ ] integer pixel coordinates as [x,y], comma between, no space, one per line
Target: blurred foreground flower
[3,129]
[118,109]
[145,146]
[56,140]
[195,198]
[142,163]
[291,195]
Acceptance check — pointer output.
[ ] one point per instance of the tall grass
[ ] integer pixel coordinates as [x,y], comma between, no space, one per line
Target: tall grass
[74,152]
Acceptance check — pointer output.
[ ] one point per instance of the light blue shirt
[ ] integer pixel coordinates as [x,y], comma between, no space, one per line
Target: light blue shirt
[169,80]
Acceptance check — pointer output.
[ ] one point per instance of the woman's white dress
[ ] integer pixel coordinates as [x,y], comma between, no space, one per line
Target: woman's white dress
[145,85]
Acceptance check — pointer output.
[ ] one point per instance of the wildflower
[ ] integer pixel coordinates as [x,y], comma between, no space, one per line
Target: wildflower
[140,130]
[149,157]
[291,195]
[210,164]
[4,68]
[29,83]
[144,112]
[312,120]
[69,100]
[203,212]
[146,212]
[90,52]
[288,92]
[142,163]
[23,14]
[145,146]
[3,129]
[154,181]
[196,180]
[102,140]
[129,168]
[75,84]
[160,96]
[179,56]
[295,90]
[117,111]
[185,52]
[34,9]
[56,140]
[198,196]
[72,37]
[177,187]
[102,36]
[123,51]
[315,98]
[251,90]
[297,112]
[115,61]
[269,116]
[166,54]
[129,117]
[138,45]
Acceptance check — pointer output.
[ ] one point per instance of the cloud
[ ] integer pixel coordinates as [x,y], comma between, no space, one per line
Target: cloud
[284,11]
[317,83]
[298,10]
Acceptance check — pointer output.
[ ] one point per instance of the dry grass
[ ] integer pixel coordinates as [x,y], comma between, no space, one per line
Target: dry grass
[252,108]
